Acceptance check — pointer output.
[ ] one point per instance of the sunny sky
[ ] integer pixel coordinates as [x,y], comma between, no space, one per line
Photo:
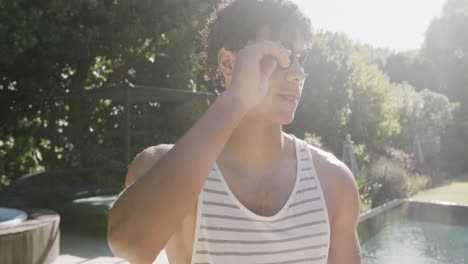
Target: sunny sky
[396,24]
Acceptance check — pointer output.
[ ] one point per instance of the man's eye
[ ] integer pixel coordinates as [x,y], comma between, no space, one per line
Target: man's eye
[302,59]
[291,57]
[288,46]
[295,56]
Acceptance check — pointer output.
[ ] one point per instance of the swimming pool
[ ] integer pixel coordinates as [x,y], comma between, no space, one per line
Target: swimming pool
[416,233]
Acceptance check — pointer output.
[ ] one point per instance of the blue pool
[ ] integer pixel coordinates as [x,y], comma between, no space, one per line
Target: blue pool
[416,233]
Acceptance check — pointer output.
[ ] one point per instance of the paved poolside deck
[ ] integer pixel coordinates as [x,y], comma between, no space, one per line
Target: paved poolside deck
[77,248]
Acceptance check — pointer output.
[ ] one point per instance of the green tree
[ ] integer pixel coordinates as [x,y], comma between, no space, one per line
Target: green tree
[53,50]
[344,93]
[426,115]
[412,67]
[446,45]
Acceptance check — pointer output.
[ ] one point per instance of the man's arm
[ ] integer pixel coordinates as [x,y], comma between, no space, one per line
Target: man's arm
[150,210]
[344,244]
[143,162]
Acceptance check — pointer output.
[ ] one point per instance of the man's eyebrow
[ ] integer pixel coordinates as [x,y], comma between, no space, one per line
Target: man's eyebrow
[288,44]
[291,46]
[301,52]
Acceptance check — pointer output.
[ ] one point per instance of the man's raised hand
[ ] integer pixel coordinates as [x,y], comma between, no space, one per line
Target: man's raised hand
[254,65]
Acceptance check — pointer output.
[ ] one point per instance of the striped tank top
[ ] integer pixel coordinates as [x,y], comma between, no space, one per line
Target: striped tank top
[228,232]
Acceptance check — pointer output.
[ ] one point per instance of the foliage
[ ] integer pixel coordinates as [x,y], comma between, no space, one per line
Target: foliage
[388,178]
[365,188]
[344,94]
[22,155]
[455,144]
[385,181]
[446,45]
[425,115]
[52,51]
[313,140]
[402,157]
[441,66]
[363,157]
[412,67]
[418,183]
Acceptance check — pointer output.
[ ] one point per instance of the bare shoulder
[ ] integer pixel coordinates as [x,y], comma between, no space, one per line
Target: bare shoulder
[338,183]
[153,152]
[179,244]
[333,167]
[144,161]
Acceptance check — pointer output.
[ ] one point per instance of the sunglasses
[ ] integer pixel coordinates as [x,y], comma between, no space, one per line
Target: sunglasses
[301,58]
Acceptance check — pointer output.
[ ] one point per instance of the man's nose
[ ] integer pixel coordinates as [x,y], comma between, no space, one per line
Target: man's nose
[296,73]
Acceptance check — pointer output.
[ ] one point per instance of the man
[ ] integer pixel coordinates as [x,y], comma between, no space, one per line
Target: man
[236,188]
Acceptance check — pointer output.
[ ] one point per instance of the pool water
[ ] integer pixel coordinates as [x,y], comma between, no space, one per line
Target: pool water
[416,242]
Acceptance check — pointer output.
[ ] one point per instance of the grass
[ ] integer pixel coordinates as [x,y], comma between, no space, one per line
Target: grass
[455,191]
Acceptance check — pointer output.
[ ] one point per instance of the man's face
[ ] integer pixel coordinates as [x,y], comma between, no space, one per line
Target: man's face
[285,84]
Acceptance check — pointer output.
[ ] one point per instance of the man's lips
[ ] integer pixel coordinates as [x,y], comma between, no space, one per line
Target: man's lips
[290,97]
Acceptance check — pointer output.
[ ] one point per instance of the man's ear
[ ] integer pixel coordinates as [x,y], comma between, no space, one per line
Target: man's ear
[226,62]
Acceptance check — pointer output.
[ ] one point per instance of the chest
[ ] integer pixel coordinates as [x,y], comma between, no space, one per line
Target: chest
[248,224]
[264,195]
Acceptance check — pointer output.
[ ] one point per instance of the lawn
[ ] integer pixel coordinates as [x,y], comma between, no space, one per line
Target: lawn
[455,191]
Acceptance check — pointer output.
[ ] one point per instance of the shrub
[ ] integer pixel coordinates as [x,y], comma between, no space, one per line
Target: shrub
[418,183]
[389,176]
[387,180]
[313,140]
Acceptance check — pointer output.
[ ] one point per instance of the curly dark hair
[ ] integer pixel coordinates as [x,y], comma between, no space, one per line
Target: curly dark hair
[236,22]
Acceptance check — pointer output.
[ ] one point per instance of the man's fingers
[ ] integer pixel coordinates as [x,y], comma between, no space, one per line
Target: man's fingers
[268,65]
[270,48]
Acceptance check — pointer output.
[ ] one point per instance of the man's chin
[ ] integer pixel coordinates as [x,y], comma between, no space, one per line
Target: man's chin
[286,119]
[287,122]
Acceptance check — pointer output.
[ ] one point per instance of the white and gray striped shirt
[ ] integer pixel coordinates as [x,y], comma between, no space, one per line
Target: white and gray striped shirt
[228,232]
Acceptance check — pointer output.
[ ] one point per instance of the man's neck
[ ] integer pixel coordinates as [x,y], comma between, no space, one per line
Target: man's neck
[254,147]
